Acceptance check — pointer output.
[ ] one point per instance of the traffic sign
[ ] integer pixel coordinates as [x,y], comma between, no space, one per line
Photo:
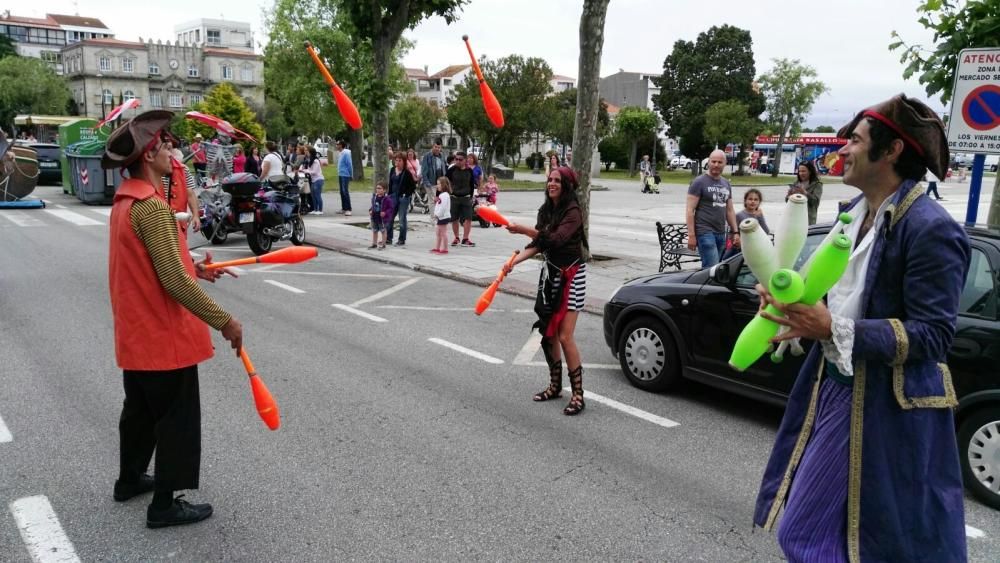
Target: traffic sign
[974,126]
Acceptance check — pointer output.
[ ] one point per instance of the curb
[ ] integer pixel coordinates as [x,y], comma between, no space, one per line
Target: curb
[594,306]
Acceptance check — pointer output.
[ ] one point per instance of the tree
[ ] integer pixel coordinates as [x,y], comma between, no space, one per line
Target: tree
[718,66]
[588,100]
[7,48]
[381,23]
[613,150]
[790,94]
[302,102]
[28,85]
[956,26]
[634,123]
[411,119]
[224,102]
[522,87]
[726,122]
[562,120]
[824,129]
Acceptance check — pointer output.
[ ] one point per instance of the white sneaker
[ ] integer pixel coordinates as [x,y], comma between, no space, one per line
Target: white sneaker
[317,212]
[348,213]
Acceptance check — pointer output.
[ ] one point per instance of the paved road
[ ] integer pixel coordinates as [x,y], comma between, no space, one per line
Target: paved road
[393,445]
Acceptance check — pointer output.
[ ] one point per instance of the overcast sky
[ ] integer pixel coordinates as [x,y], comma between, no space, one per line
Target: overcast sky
[846,42]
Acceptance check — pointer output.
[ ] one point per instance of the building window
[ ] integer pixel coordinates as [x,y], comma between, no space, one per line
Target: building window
[128,95]
[192,71]
[105,64]
[175,100]
[194,99]
[51,57]
[109,98]
[128,65]
[154,68]
[213,37]
[246,73]
[227,72]
[155,100]
[197,35]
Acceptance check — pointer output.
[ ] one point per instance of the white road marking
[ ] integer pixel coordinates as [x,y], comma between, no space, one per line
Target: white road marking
[419,308]
[974,533]
[73,217]
[360,313]
[195,255]
[386,292]
[41,532]
[283,286]
[585,365]
[47,202]
[22,219]
[466,351]
[266,268]
[106,211]
[5,435]
[338,274]
[60,207]
[638,413]
[529,349]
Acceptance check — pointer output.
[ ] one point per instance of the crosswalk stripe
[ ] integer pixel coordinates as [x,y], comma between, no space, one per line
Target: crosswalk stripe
[41,531]
[106,211]
[22,219]
[73,217]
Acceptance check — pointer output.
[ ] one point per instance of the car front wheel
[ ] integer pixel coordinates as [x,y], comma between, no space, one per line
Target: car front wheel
[648,355]
[979,450]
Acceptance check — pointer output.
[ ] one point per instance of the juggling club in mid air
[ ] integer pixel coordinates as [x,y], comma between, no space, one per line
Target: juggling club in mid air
[490,102]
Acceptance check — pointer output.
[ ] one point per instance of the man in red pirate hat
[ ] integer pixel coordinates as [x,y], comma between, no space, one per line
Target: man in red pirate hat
[160,316]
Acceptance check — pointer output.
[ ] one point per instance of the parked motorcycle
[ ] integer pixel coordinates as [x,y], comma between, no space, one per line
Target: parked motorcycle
[266,212]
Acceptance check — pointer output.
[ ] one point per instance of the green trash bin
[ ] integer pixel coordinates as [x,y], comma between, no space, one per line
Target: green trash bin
[92,184]
[71,132]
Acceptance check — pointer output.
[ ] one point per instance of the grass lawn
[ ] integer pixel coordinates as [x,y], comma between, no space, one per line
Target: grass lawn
[366,185]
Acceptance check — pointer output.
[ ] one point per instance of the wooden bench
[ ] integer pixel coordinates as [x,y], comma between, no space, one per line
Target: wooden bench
[673,246]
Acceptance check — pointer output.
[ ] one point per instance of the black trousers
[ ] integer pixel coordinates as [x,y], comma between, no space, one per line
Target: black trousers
[162,411]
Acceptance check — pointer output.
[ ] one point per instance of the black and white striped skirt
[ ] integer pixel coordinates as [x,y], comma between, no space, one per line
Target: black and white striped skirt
[577,288]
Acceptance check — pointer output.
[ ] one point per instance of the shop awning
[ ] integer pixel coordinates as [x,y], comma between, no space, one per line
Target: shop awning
[42,119]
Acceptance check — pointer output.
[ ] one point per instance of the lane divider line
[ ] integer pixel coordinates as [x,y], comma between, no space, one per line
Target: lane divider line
[638,413]
[359,313]
[974,533]
[386,292]
[341,274]
[41,531]
[615,367]
[284,286]
[529,349]
[466,351]
[5,435]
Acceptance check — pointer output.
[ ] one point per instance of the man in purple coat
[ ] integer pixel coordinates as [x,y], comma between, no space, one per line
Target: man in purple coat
[865,466]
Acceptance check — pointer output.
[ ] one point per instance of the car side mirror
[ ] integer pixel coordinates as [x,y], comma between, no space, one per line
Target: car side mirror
[720,274]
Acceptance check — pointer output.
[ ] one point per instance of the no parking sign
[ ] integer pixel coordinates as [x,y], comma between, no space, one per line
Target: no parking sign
[974,125]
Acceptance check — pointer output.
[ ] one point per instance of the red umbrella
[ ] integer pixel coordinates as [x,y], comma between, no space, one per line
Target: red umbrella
[118,111]
[220,125]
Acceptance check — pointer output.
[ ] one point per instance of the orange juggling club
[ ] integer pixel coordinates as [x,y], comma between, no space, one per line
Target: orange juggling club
[491,215]
[290,255]
[487,297]
[347,109]
[266,407]
[490,102]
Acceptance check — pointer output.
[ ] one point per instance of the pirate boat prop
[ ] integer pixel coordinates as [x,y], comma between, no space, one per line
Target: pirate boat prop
[18,175]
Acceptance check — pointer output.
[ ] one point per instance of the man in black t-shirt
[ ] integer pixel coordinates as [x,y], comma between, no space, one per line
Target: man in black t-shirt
[463,186]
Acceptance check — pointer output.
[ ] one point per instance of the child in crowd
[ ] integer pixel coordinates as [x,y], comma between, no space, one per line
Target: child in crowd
[442,215]
[751,209]
[486,195]
[381,212]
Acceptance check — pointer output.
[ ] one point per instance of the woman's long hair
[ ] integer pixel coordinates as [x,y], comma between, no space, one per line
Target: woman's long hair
[551,213]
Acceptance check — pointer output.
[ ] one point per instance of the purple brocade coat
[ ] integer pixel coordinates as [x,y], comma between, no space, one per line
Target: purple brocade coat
[905,496]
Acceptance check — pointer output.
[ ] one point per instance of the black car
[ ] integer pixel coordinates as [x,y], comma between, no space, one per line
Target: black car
[49,167]
[667,327]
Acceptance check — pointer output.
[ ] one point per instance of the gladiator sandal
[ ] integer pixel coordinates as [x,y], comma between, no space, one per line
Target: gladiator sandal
[576,404]
[554,390]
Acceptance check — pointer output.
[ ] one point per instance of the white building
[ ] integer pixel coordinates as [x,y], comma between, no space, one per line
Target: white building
[44,38]
[224,34]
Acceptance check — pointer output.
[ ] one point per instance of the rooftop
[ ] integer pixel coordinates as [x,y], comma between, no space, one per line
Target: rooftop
[224,52]
[416,73]
[77,21]
[36,22]
[450,71]
[108,42]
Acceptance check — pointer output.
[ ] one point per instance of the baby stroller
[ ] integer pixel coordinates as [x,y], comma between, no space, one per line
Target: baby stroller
[652,185]
[483,200]
[420,200]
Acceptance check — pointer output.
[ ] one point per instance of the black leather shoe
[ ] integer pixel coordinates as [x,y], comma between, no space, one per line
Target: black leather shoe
[125,491]
[180,512]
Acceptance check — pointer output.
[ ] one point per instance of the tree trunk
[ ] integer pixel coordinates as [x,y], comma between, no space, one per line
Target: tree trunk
[588,101]
[380,116]
[993,218]
[633,155]
[777,149]
[357,140]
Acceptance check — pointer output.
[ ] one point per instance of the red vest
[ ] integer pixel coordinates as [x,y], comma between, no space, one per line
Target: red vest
[152,331]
